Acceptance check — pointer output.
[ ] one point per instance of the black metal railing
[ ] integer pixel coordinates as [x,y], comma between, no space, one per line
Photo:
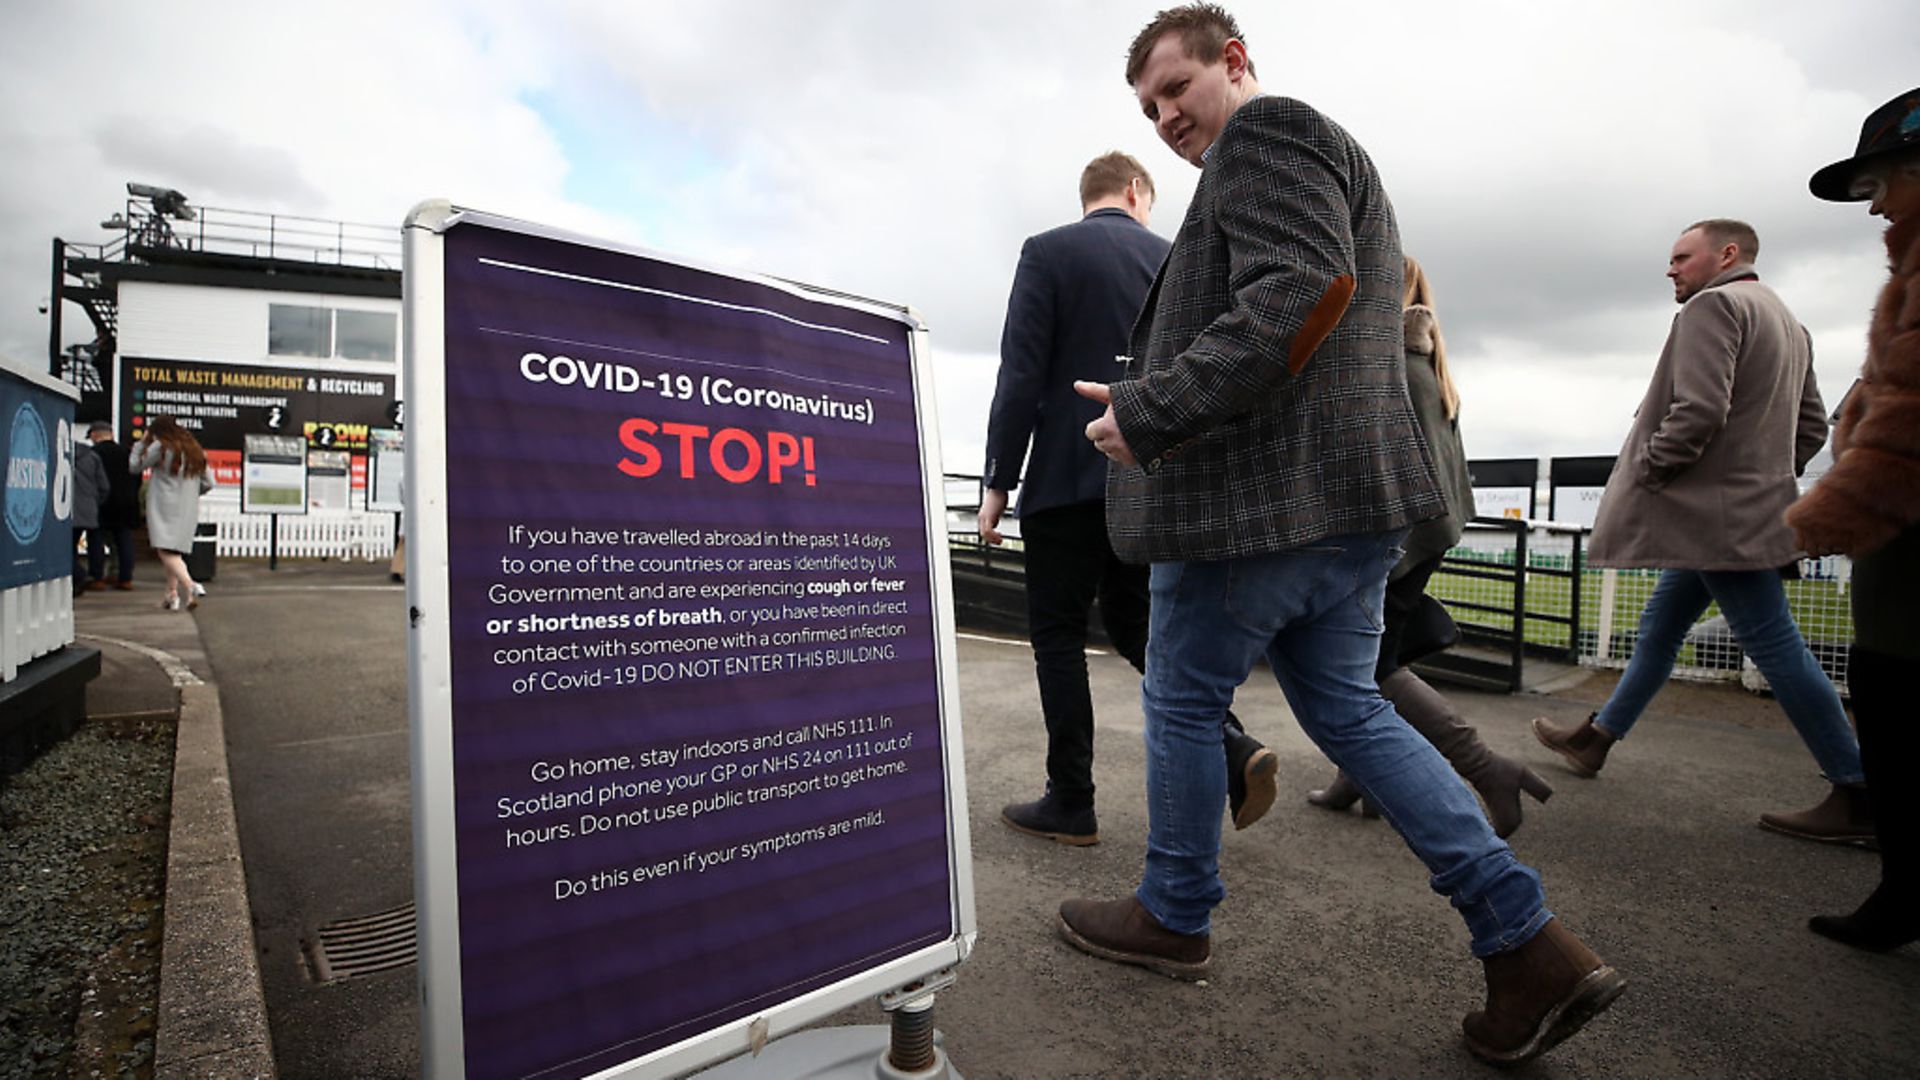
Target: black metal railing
[1496,588]
[1511,601]
[253,234]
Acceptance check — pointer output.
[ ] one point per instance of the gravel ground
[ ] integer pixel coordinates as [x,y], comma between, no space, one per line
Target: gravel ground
[83,847]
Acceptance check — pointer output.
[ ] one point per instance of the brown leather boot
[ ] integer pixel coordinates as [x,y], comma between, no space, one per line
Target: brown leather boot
[1582,745]
[1538,995]
[1843,817]
[1123,931]
[1251,770]
[1498,779]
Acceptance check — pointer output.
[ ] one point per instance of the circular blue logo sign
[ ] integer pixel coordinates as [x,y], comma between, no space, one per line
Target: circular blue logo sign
[29,474]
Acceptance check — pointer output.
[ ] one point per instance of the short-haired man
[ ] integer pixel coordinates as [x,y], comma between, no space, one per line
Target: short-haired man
[1731,416]
[1266,461]
[119,513]
[1074,296]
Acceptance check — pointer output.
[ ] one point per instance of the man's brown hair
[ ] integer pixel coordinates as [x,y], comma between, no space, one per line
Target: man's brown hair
[1109,174]
[1203,28]
[1723,231]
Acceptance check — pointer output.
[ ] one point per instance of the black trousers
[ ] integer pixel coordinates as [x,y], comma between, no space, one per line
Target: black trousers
[1883,714]
[97,551]
[1401,601]
[1070,564]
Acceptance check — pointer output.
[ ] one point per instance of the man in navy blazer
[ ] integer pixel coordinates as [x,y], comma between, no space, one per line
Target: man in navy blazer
[1267,463]
[1075,294]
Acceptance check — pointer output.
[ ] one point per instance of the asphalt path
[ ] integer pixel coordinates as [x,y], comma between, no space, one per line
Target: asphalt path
[311,661]
[1331,955]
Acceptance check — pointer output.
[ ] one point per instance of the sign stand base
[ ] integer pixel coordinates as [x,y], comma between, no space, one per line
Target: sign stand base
[840,1053]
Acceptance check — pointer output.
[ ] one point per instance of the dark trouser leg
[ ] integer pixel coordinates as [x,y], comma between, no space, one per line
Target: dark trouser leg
[1067,556]
[97,553]
[123,551]
[1124,604]
[1401,601]
[1889,751]
[1889,747]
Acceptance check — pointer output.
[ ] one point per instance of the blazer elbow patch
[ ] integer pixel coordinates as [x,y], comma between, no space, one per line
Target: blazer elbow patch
[1320,322]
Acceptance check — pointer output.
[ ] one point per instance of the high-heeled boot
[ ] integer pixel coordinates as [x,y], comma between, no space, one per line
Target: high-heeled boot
[1498,779]
[1340,794]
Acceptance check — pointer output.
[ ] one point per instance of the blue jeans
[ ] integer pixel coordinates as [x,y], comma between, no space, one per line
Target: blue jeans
[1315,613]
[1755,604]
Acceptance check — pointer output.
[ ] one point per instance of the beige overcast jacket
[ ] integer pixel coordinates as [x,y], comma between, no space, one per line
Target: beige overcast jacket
[1731,417]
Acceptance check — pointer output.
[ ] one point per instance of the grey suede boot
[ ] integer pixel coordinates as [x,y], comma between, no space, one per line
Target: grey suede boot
[1498,779]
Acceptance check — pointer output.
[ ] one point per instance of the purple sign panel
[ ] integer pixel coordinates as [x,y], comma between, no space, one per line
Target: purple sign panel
[696,722]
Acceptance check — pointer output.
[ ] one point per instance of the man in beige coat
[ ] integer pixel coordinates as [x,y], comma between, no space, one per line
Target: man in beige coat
[1730,419]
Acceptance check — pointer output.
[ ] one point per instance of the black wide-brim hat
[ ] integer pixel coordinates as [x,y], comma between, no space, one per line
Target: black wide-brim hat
[1889,129]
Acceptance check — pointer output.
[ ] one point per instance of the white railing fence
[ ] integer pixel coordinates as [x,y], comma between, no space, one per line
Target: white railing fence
[353,534]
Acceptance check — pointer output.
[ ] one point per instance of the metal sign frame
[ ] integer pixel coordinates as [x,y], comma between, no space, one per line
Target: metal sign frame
[430,674]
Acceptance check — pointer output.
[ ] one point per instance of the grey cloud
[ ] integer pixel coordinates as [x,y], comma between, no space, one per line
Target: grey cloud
[205,162]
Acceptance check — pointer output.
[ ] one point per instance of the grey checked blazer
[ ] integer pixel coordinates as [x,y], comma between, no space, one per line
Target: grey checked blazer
[1240,457]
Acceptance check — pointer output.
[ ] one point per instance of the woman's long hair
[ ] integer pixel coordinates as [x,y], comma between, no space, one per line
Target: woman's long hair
[1419,291]
[187,457]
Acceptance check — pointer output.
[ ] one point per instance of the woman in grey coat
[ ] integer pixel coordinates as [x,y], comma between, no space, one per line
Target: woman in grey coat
[179,478]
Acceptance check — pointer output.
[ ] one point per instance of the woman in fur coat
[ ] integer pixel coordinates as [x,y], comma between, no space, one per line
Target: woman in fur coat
[1868,507]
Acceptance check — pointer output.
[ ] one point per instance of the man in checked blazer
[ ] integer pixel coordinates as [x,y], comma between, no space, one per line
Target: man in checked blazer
[1075,293]
[1265,460]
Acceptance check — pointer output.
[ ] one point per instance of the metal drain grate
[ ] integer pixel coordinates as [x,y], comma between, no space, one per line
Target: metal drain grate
[350,948]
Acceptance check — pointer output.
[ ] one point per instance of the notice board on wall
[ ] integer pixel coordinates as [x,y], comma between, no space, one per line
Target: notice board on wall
[682,677]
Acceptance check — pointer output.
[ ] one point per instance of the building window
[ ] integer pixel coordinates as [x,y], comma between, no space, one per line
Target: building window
[299,331]
[365,335]
[296,330]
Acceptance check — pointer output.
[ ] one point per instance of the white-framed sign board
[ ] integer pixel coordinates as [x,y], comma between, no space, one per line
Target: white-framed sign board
[682,674]
[273,474]
[386,468]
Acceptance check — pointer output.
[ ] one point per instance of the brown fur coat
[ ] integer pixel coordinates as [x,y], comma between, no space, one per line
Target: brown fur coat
[1873,491]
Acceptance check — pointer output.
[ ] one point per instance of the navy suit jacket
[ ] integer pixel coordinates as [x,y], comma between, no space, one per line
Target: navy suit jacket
[1075,295]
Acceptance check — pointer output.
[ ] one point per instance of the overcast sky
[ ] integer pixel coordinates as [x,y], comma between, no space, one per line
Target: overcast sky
[1542,156]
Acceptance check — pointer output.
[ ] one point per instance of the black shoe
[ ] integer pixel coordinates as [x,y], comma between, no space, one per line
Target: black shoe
[1881,924]
[1252,772]
[1049,819]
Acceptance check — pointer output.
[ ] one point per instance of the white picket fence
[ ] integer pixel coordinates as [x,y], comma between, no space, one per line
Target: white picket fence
[335,535]
[35,619]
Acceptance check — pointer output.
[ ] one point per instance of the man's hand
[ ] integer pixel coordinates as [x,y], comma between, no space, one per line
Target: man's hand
[1104,433]
[993,503]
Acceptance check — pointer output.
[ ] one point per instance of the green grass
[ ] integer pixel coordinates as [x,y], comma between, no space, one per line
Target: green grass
[1819,607]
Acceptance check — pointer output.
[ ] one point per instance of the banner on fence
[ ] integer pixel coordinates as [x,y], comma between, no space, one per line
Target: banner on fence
[1574,487]
[1504,487]
[696,724]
